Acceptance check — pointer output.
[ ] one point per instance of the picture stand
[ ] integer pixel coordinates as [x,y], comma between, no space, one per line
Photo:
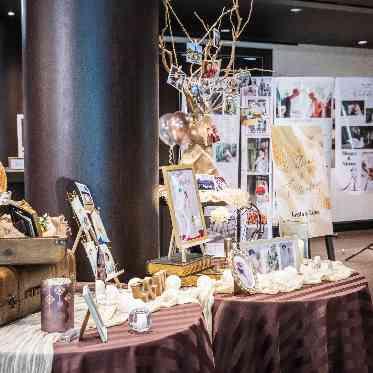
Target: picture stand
[172,249]
[369,247]
[84,325]
[88,232]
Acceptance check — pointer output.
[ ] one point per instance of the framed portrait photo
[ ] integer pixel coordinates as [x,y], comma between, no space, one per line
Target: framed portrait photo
[93,310]
[243,271]
[185,206]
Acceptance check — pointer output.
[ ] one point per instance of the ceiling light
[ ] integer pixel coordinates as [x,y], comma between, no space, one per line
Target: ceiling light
[295,10]
[225,30]
[362,42]
[11,14]
[250,58]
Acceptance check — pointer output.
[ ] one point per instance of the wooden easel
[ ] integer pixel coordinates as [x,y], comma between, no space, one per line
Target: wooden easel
[90,235]
[84,325]
[172,248]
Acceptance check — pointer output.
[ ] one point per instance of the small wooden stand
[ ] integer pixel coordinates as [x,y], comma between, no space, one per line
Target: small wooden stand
[84,325]
[172,248]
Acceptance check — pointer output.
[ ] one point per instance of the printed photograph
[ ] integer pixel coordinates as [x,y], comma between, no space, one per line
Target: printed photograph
[251,87]
[194,53]
[303,99]
[225,152]
[99,227]
[258,156]
[110,266]
[91,252]
[176,78]
[352,108]
[255,116]
[243,271]
[186,206]
[287,257]
[369,115]
[85,194]
[210,69]
[367,172]
[357,137]
[270,258]
[205,182]
[81,214]
[231,105]
[216,38]
[217,231]
[258,188]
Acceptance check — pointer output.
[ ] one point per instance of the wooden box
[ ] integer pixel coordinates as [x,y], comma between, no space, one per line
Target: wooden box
[20,286]
[174,266]
[25,251]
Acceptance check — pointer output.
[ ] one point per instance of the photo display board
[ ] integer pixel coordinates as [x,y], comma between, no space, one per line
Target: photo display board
[354,135]
[256,163]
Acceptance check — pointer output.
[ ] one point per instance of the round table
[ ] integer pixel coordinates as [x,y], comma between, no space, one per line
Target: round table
[326,328]
[177,342]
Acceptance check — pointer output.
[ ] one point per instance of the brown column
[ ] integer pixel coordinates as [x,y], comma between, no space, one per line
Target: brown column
[91,111]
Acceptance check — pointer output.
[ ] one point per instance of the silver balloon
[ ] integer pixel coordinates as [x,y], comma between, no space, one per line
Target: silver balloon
[174,128]
[164,130]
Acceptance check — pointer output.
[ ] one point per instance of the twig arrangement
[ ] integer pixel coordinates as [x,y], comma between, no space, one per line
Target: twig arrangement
[204,92]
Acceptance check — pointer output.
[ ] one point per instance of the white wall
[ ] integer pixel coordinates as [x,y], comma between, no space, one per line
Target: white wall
[313,60]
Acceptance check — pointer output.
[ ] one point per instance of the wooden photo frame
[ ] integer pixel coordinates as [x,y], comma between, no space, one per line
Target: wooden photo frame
[185,206]
[243,272]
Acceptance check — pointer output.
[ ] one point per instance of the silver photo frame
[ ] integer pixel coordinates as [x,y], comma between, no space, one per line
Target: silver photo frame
[92,308]
[243,272]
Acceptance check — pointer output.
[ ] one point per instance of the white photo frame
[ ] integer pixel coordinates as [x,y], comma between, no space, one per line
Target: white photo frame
[20,129]
[94,312]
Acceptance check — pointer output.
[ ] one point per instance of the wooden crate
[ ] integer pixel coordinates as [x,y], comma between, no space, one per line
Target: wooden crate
[25,251]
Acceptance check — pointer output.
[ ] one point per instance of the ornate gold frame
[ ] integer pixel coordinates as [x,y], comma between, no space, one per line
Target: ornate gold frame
[182,244]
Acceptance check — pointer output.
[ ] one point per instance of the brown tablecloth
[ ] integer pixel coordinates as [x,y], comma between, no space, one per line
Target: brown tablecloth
[324,328]
[178,342]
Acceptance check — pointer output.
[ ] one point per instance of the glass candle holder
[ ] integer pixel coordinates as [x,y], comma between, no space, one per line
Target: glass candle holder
[5,198]
[140,320]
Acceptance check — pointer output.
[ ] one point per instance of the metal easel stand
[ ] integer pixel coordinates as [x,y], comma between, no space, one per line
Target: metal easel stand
[369,247]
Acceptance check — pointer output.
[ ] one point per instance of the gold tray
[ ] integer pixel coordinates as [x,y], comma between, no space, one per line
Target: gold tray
[174,266]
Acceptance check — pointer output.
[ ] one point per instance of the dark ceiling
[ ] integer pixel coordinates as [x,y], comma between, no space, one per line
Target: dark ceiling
[337,22]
